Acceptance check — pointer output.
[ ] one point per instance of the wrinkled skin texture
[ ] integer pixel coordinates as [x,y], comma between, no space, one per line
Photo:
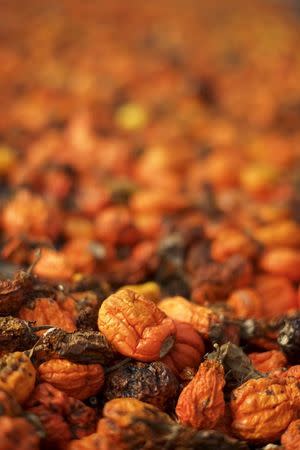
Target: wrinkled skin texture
[15,334]
[200,317]
[201,403]
[267,361]
[293,371]
[76,380]
[17,375]
[291,437]
[263,408]
[135,326]
[187,350]
[63,418]
[153,383]
[17,433]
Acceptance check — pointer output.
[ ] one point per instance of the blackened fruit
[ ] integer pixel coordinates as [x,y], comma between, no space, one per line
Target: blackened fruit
[15,334]
[152,383]
[289,339]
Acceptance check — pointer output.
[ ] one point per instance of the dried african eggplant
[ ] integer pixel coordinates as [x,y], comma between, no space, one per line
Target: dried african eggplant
[16,334]
[80,347]
[153,383]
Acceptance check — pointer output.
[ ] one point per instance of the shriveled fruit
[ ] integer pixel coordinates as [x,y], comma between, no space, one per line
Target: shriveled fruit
[63,418]
[263,408]
[201,403]
[152,383]
[135,326]
[82,346]
[77,380]
[15,334]
[17,375]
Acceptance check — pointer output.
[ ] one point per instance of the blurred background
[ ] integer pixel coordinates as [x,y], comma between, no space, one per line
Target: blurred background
[158,96]
[172,58]
[122,122]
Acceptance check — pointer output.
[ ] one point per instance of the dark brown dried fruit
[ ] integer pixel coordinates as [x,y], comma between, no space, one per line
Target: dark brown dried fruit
[15,334]
[153,383]
[79,347]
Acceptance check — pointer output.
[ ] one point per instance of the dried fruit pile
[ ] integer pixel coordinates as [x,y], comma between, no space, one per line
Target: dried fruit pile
[149,225]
